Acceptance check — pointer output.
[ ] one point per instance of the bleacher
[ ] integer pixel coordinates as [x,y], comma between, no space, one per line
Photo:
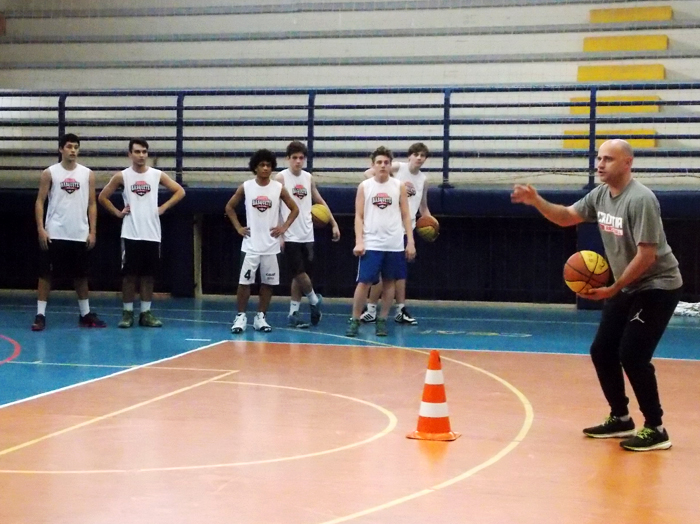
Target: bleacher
[502,91]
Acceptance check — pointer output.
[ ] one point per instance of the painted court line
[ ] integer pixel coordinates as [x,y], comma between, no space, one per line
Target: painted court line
[112,414]
[77,384]
[391,425]
[524,429]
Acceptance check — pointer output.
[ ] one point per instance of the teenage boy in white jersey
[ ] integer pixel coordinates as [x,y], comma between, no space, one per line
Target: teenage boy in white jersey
[639,305]
[141,234]
[381,217]
[298,240]
[261,236]
[70,229]
[417,190]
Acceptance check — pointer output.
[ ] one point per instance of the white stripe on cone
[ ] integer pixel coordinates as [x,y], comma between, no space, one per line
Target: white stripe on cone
[434,377]
[433,410]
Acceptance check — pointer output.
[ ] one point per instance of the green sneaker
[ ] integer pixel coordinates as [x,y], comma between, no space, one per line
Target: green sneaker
[146,319]
[127,319]
[353,328]
[380,328]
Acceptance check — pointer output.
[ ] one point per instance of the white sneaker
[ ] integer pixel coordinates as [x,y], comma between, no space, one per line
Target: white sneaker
[239,323]
[260,324]
[368,316]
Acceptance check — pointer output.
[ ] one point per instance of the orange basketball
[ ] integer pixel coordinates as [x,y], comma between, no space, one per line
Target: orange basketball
[585,270]
[428,228]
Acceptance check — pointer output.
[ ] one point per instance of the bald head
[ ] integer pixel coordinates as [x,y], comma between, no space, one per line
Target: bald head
[615,163]
[620,146]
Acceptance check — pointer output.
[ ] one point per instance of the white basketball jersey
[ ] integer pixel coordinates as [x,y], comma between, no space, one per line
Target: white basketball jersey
[414,189]
[383,228]
[141,195]
[69,196]
[302,229]
[262,211]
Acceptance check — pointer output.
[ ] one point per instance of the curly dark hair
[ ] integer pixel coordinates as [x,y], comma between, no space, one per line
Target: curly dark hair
[262,155]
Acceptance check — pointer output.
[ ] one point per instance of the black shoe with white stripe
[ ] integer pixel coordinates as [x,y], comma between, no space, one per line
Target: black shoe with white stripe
[404,317]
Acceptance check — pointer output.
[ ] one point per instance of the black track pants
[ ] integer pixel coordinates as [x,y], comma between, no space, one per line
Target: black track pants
[630,329]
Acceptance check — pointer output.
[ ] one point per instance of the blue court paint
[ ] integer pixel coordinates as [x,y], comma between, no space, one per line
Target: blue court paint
[65,354]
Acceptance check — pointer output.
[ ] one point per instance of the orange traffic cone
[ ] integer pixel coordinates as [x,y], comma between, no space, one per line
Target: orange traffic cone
[433,420]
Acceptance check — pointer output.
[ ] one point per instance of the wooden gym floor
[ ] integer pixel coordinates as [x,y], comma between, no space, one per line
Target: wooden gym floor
[190,424]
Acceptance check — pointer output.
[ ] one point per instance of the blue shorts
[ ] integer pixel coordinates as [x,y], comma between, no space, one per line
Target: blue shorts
[391,265]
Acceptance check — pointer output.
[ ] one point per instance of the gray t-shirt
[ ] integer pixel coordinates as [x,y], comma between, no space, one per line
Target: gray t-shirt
[625,221]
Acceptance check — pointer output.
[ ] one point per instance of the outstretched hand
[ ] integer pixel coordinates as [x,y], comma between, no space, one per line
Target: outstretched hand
[524,194]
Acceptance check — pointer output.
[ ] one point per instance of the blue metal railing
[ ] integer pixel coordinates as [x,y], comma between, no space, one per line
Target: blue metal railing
[444,123]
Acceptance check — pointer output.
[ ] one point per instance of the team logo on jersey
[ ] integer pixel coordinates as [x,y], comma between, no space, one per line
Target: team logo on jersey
[299,191]
[262,203]
[610,224]
[410,189]
[382,200]
[140,188]
[70,185]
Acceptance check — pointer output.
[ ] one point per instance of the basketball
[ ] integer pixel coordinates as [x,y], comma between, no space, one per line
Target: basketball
[428,228]
[320,215]
[586,270]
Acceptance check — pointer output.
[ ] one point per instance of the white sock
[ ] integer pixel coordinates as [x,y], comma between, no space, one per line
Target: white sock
[128,306]
[294,307]
[372,308]
[260,315]
[625,418]
[41,307]
[84,306]
[660,429]
[399,307]
[145,306]
[313,299]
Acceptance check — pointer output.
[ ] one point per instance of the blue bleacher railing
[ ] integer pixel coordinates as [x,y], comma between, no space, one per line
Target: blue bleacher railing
[214,132]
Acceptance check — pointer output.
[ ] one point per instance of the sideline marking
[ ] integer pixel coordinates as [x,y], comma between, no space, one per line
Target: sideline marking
[110,415]
[393,421]
[15,353]
[65,388]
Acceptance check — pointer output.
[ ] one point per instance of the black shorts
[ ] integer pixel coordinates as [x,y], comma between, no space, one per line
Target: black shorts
[140,258]
[64,259]
[299,257]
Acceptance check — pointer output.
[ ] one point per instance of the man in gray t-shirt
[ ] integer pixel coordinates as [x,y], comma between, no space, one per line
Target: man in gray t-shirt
[640,303]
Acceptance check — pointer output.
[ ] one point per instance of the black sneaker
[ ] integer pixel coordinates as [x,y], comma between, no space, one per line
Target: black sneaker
[613,427]
[91,320]
[39,323]
[295,321]
[648,439]
[404,317]
[316,310]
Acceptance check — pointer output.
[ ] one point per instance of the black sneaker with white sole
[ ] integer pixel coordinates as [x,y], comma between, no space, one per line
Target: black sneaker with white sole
[612,427]
[648,439]
[404,317]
